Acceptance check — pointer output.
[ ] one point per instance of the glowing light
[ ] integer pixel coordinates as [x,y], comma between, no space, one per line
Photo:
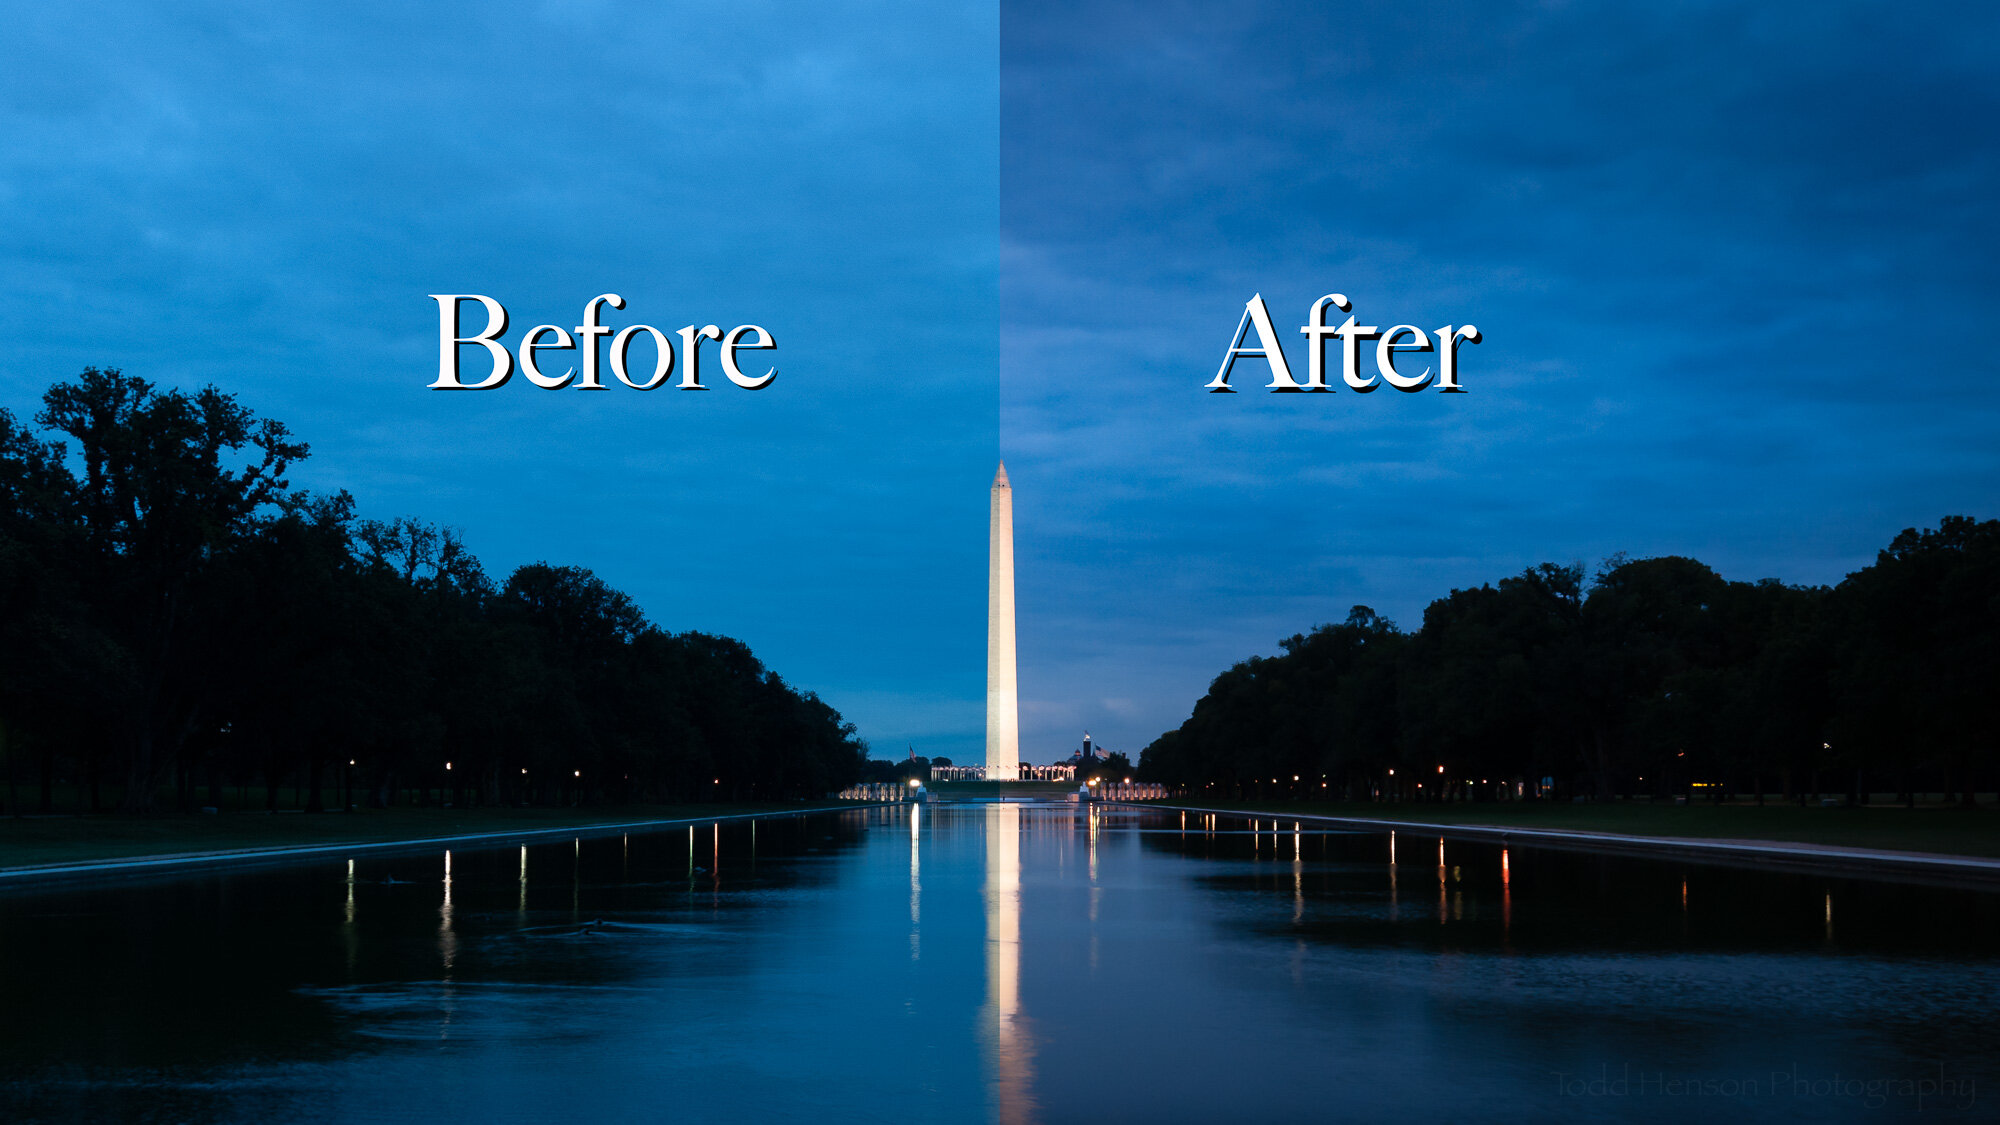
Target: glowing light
[447,765]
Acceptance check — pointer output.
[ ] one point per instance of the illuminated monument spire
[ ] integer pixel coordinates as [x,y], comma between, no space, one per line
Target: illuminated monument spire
[1003,707]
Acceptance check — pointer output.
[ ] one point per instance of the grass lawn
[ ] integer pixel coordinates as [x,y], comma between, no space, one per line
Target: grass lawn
[1948,830]
[29,841]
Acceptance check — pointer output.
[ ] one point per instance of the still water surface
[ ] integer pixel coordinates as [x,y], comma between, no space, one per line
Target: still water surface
[1003,963]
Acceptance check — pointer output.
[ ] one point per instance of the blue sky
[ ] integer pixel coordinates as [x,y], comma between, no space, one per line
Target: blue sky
[1733,264]
[264,200]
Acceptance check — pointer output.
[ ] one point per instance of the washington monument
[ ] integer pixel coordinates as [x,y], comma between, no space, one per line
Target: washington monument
[1003,707]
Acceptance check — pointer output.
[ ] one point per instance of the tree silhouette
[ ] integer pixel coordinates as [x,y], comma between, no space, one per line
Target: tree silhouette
[172,609]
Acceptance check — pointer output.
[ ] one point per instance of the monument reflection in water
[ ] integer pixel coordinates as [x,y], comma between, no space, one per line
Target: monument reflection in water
[1006,1031]
[1000,963]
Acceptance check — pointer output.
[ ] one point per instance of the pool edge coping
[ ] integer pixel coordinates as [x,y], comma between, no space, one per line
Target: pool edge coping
[184,862]
[1937,867]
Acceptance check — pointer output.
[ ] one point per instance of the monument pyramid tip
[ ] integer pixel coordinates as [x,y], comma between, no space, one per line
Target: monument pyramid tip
[1000,477]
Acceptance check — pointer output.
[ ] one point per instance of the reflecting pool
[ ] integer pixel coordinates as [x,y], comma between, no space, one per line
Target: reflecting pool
[999,962]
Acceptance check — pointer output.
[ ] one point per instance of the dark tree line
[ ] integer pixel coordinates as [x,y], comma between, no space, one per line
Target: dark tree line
[1657,677]
[176,618]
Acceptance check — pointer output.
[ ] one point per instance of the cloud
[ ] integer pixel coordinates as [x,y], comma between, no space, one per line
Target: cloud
[264,199]
[1715,253]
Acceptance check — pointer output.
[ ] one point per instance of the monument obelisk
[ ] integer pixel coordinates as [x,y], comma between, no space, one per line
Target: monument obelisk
[1003,705]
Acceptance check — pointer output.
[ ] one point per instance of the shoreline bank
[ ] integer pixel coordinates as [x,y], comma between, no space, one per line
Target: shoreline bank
[1932,868]
[177,863]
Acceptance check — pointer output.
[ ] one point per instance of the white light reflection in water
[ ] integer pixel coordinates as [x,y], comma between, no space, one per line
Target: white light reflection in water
[448,953]
[1093,858]
[522,909]
[1006,1030]
[348,933]
[916,882]
[1444,913]
[1298,883]
[1393,906]
[447,939]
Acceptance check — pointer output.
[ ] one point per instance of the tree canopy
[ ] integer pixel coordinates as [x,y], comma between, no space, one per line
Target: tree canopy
[174,613]
[1654,676]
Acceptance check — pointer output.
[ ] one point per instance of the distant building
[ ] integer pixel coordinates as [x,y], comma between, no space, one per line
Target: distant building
[1089,756]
